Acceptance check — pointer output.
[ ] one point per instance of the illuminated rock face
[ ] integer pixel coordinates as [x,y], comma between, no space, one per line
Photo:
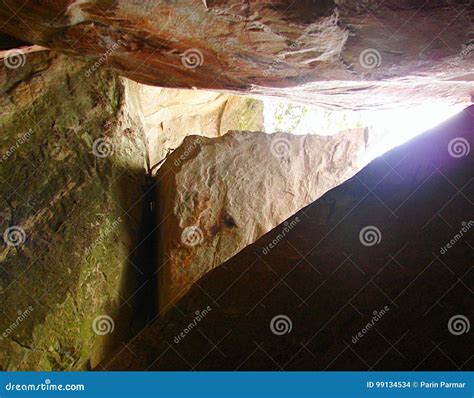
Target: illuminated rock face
[71,159]
[219,195]
[172,114]
[341,53]
[372,251]
[74,195]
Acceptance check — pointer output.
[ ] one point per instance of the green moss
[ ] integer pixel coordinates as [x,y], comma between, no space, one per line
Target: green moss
[66,199]
[247,116]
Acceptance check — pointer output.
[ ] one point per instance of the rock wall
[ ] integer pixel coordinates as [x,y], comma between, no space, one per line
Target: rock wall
[219,195]
[376,275]
[71,161]
[77,250]
[171,114]
[341,53]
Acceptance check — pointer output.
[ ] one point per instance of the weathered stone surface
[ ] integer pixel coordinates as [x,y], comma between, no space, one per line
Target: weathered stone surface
[171,114]
[328,278]
[219,195]
[342,53]
[69,261]
[84,216]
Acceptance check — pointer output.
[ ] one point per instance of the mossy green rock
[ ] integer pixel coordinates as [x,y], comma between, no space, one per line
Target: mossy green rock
[78,214]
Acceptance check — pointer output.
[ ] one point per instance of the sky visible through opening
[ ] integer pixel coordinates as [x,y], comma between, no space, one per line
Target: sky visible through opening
[387,129]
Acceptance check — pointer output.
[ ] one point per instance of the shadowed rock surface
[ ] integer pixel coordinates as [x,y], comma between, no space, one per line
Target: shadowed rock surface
[339,54]
[415,199]
[72,158]
[75,145]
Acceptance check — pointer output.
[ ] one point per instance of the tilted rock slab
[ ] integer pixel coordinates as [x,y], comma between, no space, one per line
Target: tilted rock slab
[365,281]
[219,195]
[336,53]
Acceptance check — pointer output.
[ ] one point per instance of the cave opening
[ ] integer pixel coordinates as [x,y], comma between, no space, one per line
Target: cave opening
[130,211]
[385,128]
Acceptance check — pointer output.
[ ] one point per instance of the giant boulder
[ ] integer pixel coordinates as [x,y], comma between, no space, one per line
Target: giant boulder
[219,195]
[377,275]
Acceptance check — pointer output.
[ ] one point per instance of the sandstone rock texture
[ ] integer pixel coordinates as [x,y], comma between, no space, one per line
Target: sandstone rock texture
[76,142]
[172,114]
[336,53]
[71,160]
[219,195]
[366,280]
